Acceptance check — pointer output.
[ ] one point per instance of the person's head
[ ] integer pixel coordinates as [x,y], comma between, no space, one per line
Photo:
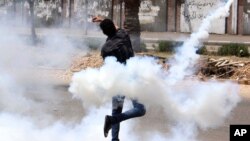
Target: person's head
[108,27]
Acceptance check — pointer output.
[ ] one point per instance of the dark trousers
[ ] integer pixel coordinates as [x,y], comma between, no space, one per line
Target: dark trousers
[117,115]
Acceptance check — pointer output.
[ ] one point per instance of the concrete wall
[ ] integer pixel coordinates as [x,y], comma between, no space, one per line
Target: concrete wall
[152,15]
[234,23]
[232,19]
[240,17]
[171,15]
[186,16]
[246,16]
[194,11]
[166,15]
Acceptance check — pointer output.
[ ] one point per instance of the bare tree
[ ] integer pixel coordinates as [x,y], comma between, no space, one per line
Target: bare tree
[32,18]
[86,2]
[132,23]
[14,8]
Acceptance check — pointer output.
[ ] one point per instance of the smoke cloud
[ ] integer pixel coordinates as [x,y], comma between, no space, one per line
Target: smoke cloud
[186,55]
[27,84]
[31,109]
[186,103]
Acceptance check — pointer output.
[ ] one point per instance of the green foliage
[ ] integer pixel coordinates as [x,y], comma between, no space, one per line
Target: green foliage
[165,46]
[240,50]
[168,46]
[143,47]
[202,50]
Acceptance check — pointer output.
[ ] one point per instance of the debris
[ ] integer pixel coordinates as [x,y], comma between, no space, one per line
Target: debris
[226,68]
[92,60]
[222,68]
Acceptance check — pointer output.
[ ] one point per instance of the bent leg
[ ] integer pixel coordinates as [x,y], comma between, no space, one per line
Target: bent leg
[117,105]
[138,111]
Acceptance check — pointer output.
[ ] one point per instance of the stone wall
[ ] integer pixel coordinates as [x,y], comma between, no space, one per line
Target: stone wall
[194,11]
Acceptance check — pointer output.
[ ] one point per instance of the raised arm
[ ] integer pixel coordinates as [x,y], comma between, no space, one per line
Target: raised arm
[97,19]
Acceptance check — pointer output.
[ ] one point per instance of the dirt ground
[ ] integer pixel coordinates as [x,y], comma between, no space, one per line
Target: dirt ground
[67,109]
[245,91]
[94,60]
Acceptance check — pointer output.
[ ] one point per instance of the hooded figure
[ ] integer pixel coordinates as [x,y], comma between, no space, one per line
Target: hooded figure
[118,44]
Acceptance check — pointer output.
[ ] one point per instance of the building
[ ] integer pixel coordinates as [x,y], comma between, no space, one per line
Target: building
[238,21]
[155,15]
[186,15]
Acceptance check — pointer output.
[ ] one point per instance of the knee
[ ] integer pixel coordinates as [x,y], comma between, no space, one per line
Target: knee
[116,110]
[142,111]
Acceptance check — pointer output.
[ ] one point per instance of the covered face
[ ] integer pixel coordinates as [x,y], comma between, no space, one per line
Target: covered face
[108,27]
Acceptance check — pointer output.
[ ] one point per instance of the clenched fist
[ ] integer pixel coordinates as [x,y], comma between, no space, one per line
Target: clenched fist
[97,19]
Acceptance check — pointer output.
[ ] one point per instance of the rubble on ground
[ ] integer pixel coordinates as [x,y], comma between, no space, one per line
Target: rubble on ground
[224,68]
[220,68]
[91,60]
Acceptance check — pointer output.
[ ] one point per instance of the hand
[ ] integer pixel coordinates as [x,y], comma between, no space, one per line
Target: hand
[97,19]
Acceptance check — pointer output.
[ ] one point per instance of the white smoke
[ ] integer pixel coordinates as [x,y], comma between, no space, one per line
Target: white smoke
[26,79]
[186,56]
[186,101]
[16,127]
[190,105]
[30,116]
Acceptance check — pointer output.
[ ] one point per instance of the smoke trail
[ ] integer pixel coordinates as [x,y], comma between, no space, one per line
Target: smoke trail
[186,56]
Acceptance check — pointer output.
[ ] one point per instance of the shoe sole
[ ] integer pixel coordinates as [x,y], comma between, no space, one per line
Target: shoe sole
[105,134]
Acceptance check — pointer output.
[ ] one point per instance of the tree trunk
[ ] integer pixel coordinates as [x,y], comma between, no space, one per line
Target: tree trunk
[132,23]
[86,3]
[14,8]
[61,14]
[112,10]
[33,32]
[70,10]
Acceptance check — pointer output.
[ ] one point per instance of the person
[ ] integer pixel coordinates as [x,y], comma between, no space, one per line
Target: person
[118,44]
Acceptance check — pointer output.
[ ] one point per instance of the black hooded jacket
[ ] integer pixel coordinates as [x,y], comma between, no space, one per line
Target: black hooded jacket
[118,46]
